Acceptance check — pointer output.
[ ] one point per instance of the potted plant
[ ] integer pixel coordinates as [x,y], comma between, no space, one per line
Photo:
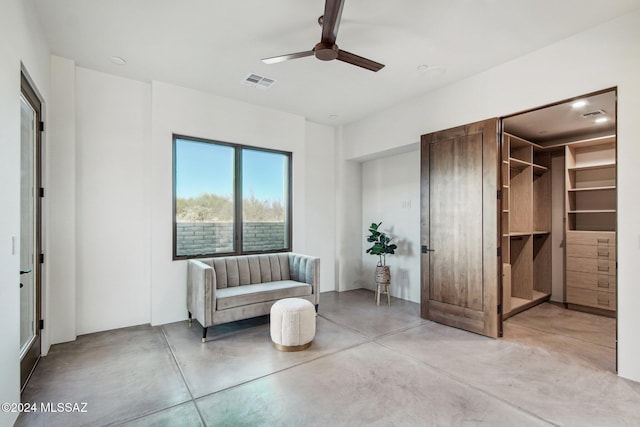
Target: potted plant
[381,247]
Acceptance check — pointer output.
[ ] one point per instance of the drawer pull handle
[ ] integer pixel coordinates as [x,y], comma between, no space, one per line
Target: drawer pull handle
[603,284]
[603,253]
[600,268]
[603,240]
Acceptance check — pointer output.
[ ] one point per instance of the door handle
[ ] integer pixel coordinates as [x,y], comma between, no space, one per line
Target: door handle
[426,249]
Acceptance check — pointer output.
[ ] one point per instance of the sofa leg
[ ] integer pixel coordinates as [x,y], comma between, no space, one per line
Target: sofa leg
[316,308]
[190,318]
[204,334]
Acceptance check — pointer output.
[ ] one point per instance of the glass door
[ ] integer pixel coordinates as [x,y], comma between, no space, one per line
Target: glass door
[29,231]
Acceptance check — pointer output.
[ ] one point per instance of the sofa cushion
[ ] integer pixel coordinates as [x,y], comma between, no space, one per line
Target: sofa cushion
[238,296]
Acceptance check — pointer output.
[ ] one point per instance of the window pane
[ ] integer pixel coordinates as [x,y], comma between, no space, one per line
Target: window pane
[204,182]
[265,191]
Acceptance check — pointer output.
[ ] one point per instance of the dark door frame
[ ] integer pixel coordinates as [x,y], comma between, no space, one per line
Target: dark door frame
[31,357]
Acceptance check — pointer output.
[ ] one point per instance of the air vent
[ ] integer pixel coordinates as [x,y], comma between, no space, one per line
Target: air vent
[595,113]
[258,81]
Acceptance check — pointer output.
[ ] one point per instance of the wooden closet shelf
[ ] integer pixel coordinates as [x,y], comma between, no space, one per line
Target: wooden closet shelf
[525,251]
[608,187]
[518,164]
[592,167]
[590,183]
[521,304]
[593,211]
[527,233]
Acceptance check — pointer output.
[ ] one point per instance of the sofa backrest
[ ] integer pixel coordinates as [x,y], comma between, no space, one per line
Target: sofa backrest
[302,268]
[251,269]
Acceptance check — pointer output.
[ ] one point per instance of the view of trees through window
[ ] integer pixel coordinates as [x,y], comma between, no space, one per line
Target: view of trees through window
[206,191]
[212,207]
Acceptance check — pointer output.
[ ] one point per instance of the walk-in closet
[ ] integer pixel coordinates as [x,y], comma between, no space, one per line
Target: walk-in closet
[552,225]
[558,207]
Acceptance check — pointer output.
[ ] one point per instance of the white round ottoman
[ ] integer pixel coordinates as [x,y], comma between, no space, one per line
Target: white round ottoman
[293,324]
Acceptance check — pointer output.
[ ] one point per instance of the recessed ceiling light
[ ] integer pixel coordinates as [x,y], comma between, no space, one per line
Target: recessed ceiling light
[601,120]
[117,60]
[579,104]
[422,67]
[333,116]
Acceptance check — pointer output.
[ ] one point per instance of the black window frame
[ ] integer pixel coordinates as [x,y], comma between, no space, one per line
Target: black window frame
[238,197]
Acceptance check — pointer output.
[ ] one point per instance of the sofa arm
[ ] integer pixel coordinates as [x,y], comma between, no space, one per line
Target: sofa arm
[201,291]
[305,268]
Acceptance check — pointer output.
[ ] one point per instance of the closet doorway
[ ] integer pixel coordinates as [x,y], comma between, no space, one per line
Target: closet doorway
[548,181]
[559,220]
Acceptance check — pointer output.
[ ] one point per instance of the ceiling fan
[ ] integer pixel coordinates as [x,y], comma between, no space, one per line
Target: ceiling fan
[327,49]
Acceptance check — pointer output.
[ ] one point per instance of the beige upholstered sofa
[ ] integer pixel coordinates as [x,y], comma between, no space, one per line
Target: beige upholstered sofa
[226,289]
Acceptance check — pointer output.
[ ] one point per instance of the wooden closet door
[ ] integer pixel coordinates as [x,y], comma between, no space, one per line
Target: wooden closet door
[459,228]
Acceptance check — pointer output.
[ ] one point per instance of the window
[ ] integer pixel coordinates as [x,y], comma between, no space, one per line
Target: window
[229,199]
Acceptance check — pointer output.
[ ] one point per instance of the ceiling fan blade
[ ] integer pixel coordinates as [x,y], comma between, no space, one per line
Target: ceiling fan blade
[282,58]
[353,59]
[331,20]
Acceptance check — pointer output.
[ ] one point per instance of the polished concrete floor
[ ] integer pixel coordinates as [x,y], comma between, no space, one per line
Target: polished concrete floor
[369,365]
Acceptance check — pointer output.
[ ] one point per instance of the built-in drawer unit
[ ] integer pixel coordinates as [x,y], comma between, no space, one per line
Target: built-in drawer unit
[591,269]
[591,265]
[591,238]
[591,251]
[594,282]
[580,296]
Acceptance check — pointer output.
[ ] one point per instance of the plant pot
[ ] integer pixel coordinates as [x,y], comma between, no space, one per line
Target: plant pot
[383,274]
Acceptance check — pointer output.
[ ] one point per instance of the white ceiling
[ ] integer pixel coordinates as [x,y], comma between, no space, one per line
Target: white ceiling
[212,45]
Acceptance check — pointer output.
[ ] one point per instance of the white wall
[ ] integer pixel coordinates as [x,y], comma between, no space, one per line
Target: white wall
[391,195]
[113,118]
[320,191]
[61,198]
[189,112]
[111,173]
[602,57]
[22,42]
[348,220]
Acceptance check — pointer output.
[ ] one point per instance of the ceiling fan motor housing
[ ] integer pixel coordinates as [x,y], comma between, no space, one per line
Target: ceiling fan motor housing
[326,52]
